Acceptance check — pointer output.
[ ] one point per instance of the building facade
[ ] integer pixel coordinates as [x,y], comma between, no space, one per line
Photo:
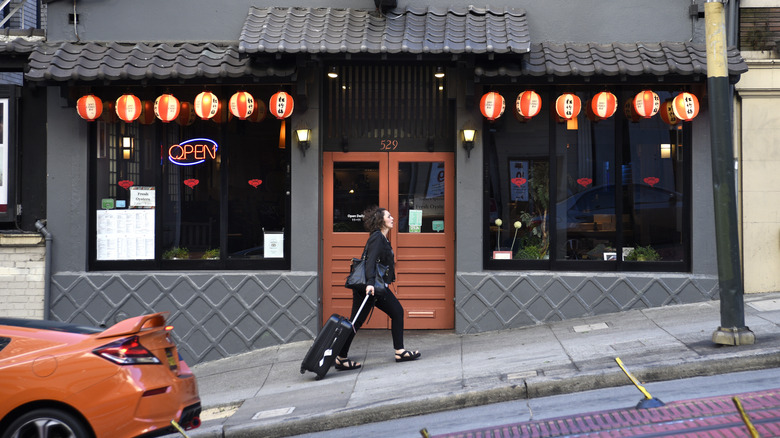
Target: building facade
[756,136]
[548,213]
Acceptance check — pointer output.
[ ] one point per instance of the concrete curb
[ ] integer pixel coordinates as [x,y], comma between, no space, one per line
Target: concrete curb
[532,387]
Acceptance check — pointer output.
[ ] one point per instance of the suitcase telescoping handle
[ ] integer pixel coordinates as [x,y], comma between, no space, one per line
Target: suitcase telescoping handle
[365,300]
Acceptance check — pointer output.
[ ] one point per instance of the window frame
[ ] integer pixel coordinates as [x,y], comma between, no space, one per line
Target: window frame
[548,95]
[158,263]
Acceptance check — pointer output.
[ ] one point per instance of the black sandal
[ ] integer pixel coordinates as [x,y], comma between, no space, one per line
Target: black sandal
[407,355]
[346,365]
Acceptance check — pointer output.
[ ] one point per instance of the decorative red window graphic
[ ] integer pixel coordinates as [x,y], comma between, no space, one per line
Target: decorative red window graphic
[125,184]
[255,182]
[519,181]
[651,181]
[191,183]
[584,182]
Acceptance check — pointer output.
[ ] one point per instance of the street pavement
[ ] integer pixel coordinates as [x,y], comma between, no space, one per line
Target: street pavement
[263,394]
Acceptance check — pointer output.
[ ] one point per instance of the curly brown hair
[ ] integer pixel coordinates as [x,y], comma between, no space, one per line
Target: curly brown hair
[373,218]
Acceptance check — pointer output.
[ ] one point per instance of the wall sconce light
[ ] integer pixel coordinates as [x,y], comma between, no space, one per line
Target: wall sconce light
[304,139]
[332,73]
[439,73]
[128,145]
[666,150]
[468,140]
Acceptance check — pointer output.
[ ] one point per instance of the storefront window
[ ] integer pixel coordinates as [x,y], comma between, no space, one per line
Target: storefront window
[585,197]
[613,199]
[191,193]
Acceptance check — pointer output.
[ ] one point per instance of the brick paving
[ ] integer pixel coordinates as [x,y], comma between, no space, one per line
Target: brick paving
[703,417]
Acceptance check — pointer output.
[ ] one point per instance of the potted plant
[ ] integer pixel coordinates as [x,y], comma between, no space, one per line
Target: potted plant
[211,254]
[643,254]
[176,253]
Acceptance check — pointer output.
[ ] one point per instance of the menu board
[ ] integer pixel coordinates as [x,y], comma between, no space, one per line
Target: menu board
[125,234]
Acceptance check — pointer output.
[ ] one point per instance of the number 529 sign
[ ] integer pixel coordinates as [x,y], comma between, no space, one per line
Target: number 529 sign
[388,145]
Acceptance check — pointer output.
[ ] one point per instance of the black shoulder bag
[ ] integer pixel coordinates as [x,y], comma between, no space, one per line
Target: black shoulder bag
[357,274]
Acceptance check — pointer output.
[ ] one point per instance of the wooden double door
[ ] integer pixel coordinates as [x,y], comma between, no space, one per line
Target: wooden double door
[418,190]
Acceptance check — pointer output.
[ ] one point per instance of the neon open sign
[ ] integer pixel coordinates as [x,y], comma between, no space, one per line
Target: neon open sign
[193,151]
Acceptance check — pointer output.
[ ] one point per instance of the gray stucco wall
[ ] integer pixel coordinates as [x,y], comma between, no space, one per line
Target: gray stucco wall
[198,20]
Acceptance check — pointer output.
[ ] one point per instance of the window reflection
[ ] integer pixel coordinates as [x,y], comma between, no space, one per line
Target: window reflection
[615,188]
[421,197]
[355,188]
[585,199]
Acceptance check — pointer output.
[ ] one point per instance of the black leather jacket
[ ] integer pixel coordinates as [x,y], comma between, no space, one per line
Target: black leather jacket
[379,248]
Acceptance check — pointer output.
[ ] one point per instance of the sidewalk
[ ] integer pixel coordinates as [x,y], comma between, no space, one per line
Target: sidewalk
[262,393]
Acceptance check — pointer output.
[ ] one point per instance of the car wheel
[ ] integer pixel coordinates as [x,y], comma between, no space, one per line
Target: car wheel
[47,423]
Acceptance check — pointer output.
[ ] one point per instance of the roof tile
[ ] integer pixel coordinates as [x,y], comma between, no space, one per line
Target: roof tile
[414,29]
[116,61]
[629,59]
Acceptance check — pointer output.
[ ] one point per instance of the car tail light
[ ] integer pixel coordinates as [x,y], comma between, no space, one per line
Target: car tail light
[127,352]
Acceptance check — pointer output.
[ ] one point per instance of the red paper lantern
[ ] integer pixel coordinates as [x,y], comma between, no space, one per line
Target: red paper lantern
[167,108]
[604,105]
[568,106]
[630,113]
[89,107]
[109,115]
[223,115]
[281,105]
[128,107]
[589,112]
[206,105]
[667,113]
[147,113]
[242,104]
[685,106]
[258,115]
[492,105]
[186,114]
[646,104]
[528,104]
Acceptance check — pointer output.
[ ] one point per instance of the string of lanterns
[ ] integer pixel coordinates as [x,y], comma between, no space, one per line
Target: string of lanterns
[646,104]
[167,108]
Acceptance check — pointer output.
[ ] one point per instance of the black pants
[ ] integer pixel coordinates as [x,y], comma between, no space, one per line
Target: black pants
[386,302]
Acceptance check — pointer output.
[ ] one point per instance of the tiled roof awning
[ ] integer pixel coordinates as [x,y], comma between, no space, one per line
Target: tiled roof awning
[617,59]
[11,44]
[137,61]
[411,30]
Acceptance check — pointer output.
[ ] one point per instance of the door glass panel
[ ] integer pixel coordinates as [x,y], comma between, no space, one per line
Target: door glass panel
[355,188]
[420,197]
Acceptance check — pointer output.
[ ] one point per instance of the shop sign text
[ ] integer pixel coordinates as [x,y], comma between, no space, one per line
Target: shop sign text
[193,151]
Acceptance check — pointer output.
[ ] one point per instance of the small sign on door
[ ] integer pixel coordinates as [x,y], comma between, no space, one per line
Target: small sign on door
[415,221]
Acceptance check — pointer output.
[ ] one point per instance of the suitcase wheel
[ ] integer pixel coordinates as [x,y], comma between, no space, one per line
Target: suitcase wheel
[318,377]
[303,370]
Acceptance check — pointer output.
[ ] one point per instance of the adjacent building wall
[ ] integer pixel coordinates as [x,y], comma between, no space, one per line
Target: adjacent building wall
[759,137]
[757,132]
[21,274]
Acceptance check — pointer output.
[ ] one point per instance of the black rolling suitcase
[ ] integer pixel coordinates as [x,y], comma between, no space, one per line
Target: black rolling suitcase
[328,344]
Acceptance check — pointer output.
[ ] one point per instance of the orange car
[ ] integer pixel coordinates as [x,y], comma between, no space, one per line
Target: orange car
[67,380]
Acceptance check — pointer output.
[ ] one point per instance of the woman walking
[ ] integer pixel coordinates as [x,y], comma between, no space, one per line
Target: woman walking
[378,222]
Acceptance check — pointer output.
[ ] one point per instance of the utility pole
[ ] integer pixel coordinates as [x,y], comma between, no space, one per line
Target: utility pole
[732,330]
